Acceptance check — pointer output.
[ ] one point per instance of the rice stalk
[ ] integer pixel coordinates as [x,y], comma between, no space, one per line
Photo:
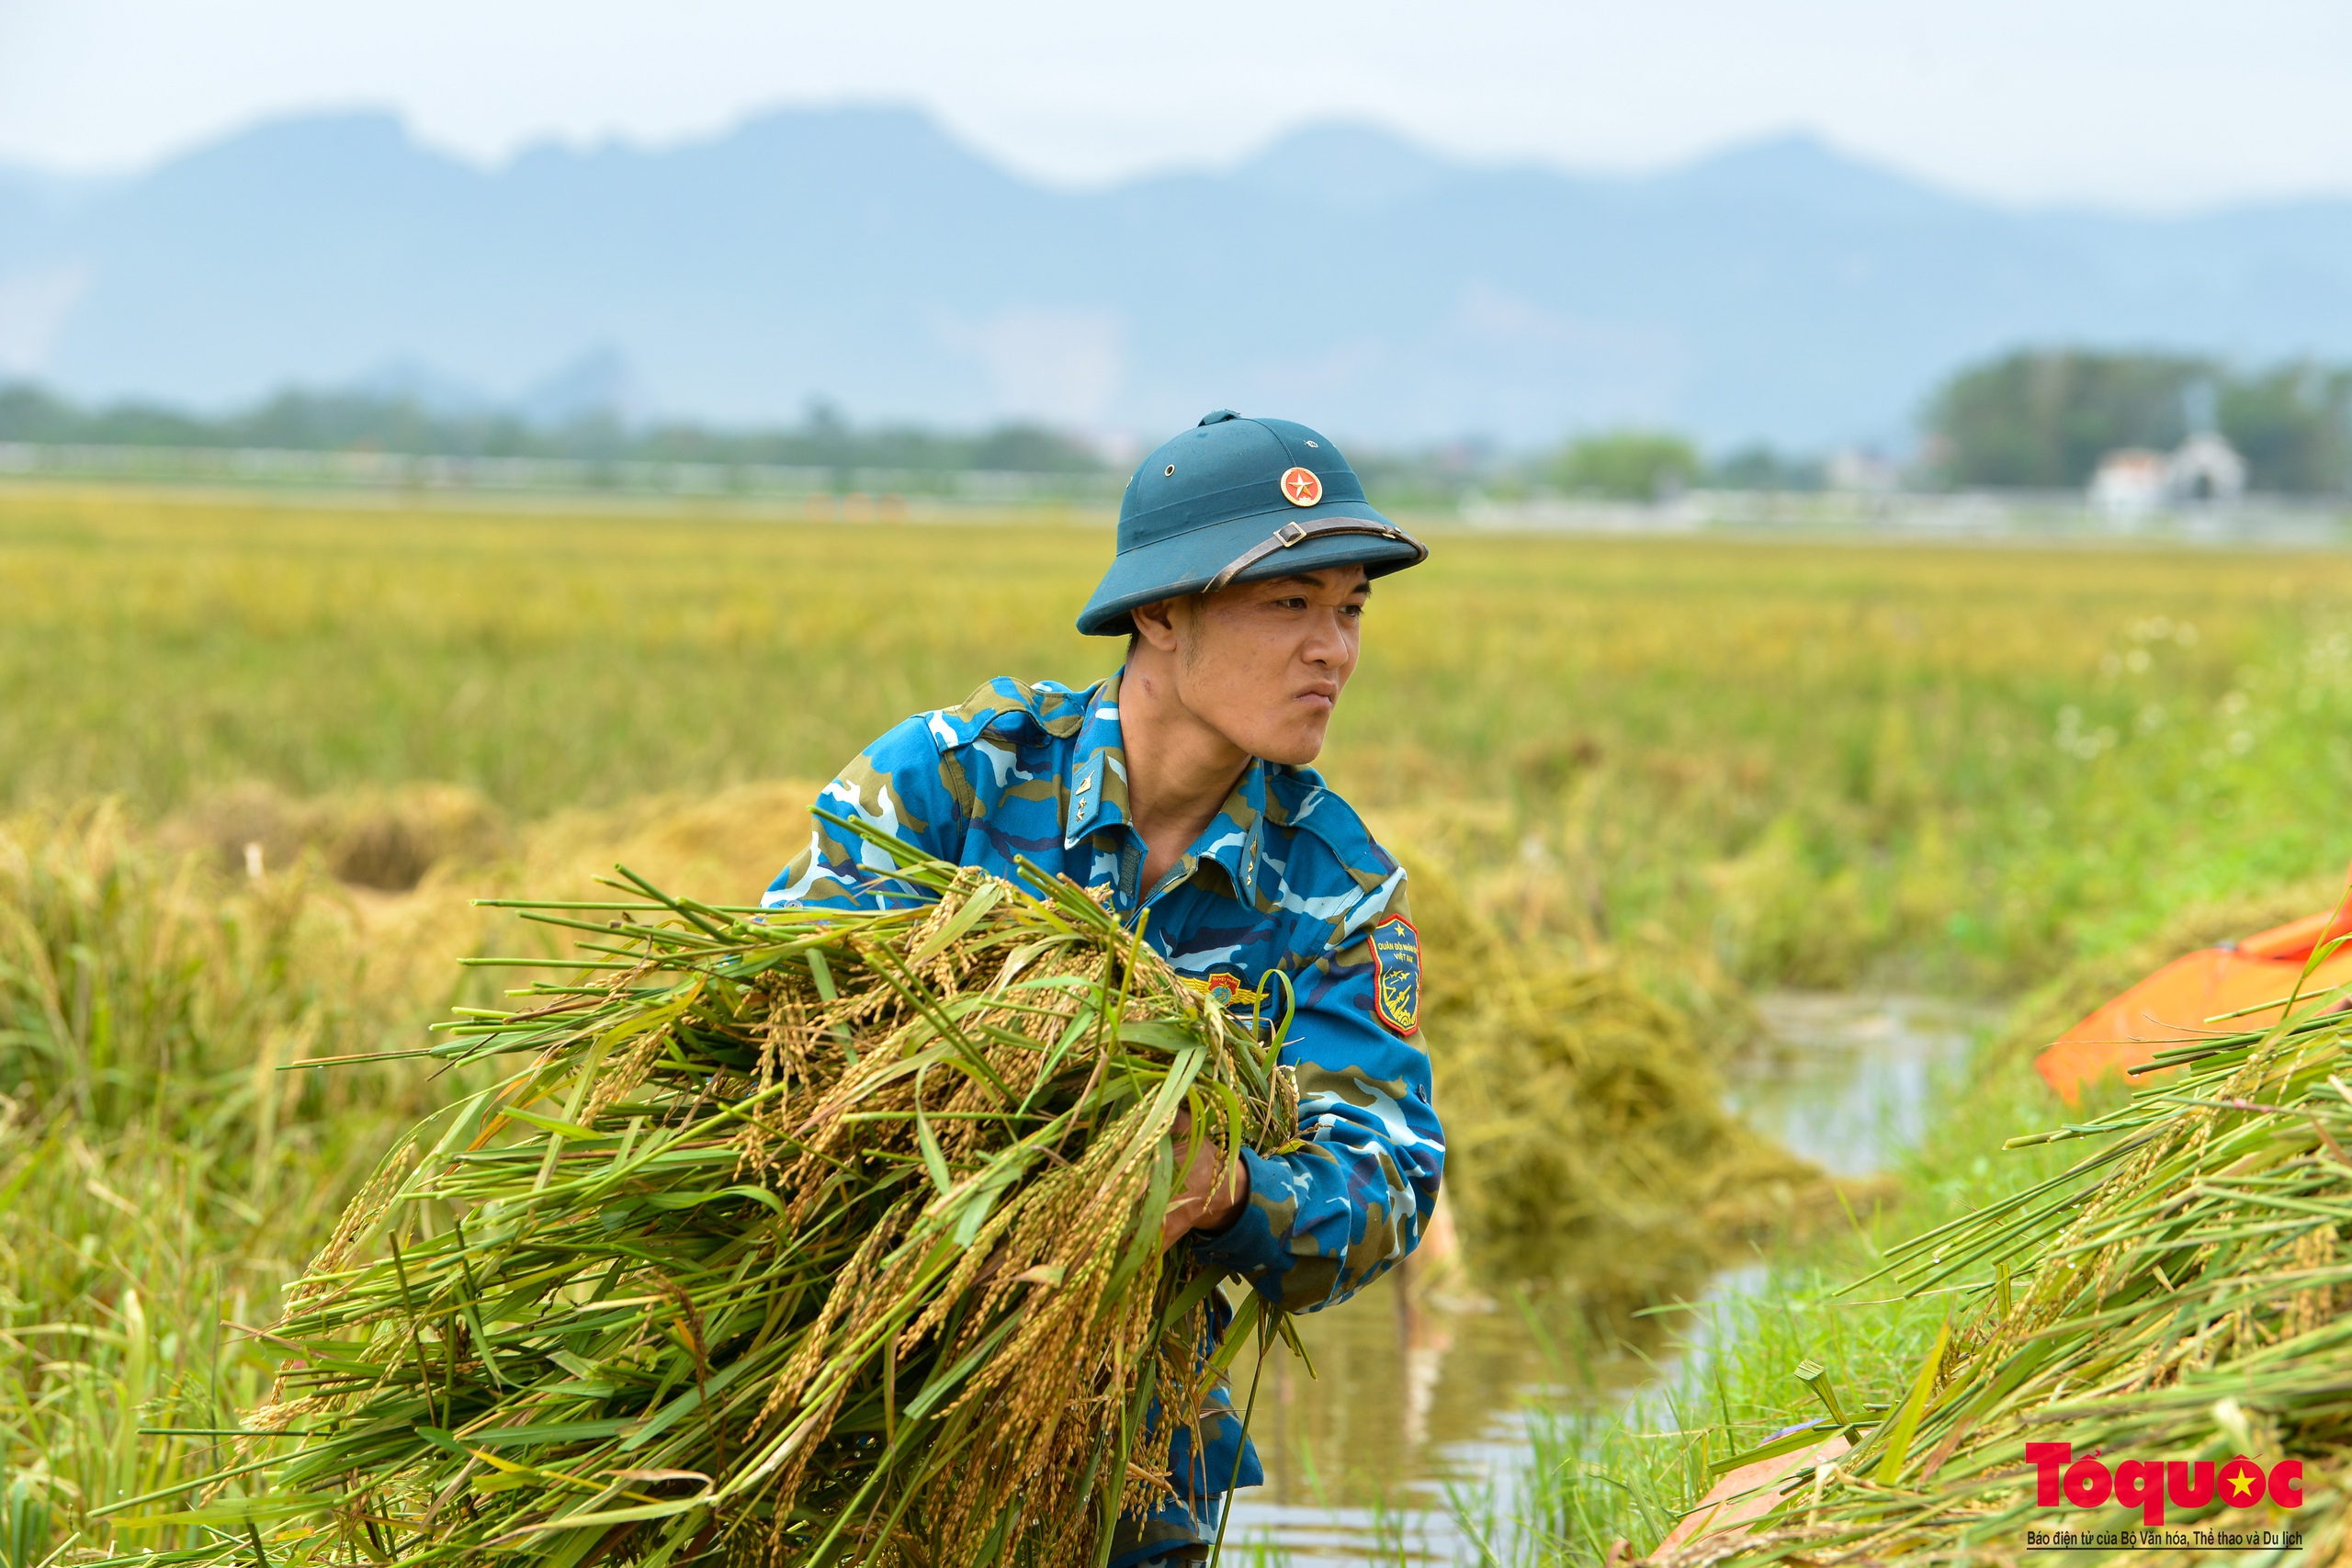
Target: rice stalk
[798,1237]
[2177,1295]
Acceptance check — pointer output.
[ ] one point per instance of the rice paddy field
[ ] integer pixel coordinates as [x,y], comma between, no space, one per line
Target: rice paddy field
[256,755]
[1974,763]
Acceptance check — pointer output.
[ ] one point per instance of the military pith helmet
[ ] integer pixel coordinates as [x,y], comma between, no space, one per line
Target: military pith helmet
[1236,500]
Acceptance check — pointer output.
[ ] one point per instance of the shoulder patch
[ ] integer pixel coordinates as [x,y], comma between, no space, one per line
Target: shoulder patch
[1396,974]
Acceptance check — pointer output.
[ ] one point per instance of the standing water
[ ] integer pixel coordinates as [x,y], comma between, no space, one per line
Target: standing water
[1408,1401]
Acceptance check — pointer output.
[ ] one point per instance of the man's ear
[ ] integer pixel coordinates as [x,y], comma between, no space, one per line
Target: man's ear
[1156,624]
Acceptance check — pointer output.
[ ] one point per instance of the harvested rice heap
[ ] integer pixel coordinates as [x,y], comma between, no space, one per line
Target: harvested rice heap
[797,1237]
[1587,1138]
[2173,1302]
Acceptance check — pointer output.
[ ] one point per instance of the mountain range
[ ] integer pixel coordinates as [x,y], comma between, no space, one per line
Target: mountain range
[1780,290]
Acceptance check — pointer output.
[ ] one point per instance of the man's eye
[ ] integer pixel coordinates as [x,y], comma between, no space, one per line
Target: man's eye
[1291,603]
[1354,612]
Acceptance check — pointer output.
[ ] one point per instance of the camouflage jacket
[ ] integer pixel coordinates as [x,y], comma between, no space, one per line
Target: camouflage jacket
[1286,878]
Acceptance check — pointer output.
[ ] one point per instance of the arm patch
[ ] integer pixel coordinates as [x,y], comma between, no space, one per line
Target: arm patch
[1396,974]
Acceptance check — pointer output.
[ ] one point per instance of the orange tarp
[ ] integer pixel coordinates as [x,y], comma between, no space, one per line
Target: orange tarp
[2180,1000]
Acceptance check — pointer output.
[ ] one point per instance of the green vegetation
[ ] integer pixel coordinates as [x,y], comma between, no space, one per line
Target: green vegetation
[2294,424]
[2172,1296]
[1688,765]
[160,1179]
[1761,468]
[2045,417]
[1586,1134]
[1628,465]
[1601,1471]
[770,1232]
[303,420]
[1815,764]
[2160,1280]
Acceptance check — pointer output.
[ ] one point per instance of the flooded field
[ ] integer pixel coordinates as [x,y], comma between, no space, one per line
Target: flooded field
[1417,1414]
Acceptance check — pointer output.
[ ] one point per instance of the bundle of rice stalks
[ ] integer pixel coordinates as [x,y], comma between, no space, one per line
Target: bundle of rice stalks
[2170,1310]
[1588,1137]
[800,1237]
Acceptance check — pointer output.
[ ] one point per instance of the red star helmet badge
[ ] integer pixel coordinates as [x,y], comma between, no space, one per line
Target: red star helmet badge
[1302,486]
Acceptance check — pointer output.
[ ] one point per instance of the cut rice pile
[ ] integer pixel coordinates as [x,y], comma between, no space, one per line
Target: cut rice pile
[2177,1298]
[1587,1138]
[797,1238]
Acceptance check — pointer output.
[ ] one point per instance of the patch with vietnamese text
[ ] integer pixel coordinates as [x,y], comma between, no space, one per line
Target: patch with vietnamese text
[1396,973]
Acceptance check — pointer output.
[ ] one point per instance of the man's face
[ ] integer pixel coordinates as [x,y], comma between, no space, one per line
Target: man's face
[1263,663]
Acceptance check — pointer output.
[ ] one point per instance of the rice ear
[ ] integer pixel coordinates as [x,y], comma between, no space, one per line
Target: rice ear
[805,1233]
[2181,1286]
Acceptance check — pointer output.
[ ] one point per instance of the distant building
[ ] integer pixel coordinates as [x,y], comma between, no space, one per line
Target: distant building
[2134,482]
[1861,469]
[2207,468]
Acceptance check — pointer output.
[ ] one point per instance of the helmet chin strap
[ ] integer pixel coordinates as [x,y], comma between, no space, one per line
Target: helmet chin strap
[1295,532]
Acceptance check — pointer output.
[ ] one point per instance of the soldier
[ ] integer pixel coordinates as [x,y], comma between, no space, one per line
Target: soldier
[1246,553]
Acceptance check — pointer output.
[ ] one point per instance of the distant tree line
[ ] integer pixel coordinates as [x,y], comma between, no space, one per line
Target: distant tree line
[2040,418]
[2045,417]
[303,420]
[1654,465]
[2037,418]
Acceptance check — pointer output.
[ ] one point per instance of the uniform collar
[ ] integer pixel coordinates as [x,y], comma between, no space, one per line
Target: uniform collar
[1235,836]
[1098,768]
[1098,785]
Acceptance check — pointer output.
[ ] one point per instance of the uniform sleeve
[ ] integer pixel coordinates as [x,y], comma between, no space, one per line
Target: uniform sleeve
[904,786]
[1334,1213]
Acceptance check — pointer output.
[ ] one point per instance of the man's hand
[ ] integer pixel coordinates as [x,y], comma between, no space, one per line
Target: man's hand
[1210,1191]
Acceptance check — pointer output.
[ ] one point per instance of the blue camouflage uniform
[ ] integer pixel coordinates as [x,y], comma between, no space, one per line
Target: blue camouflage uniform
[1285,878]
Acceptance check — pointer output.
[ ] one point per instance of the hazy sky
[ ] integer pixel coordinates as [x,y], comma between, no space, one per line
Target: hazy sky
[2151,104]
